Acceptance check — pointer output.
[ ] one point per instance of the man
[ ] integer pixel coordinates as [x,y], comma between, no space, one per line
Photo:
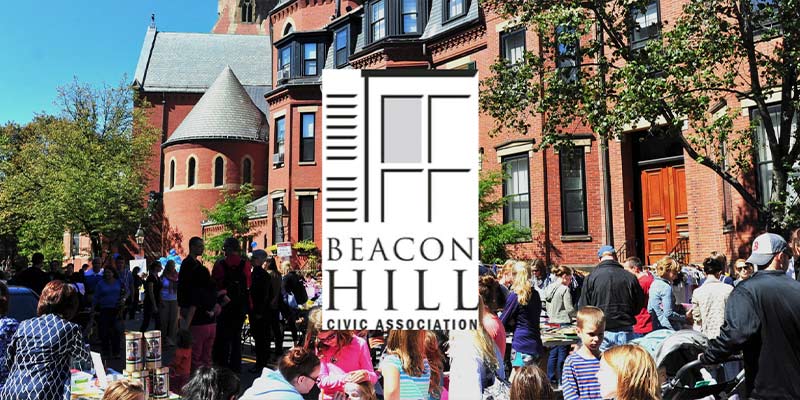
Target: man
[232,277]
[126,279]
[56,271]
[644,321]
[93,276]
[763,321]
[794,264]
[616,292]
[185,286]
[293,284]
[33,277]
[260,296]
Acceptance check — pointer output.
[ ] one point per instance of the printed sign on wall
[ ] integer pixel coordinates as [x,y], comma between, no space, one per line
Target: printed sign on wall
[400,199]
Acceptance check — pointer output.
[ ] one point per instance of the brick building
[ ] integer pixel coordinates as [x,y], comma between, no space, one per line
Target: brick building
[660,199]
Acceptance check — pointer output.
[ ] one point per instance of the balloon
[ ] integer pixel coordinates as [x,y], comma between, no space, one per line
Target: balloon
[163,261]
[172,252]
[253,245]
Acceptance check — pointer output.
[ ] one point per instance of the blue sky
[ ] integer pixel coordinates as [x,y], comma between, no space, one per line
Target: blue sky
[45,43]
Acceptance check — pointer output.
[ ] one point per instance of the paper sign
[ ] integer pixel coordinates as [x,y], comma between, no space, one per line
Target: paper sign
[142,264]
[99,370]
[284,249]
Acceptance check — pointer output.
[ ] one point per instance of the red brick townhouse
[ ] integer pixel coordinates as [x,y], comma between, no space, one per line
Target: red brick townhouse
[659,198]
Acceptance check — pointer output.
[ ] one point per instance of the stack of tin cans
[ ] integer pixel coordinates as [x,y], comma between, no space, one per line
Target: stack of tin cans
[143,363]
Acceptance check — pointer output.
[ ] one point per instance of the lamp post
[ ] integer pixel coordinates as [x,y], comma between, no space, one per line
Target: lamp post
[140,238]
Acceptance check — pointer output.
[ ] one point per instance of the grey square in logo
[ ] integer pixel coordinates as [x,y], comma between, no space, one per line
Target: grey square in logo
[402,129]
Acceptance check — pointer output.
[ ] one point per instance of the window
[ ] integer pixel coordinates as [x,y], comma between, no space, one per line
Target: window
[289,28]
[277,220]
[280,130]
[512,45]
[219,171]
[645,23]
[378,21]
[764,155]
[454,9]
[567,53]
[172,174]
[76,244]
[515,187]
[309,59]
[190,172]
[409,16]
[764,16]
[573,191]
[285,62]
[306,218]
[247,11]
[307,137]
[342,46]
[247,171]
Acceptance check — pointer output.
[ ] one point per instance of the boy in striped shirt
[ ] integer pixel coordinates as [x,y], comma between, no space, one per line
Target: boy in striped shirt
[579,379]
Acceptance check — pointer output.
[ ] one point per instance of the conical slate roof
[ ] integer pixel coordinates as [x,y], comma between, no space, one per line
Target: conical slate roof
[225,112]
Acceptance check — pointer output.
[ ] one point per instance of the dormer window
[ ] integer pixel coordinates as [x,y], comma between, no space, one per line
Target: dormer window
[342,46]
[454,9]
[378,21]
[309,59]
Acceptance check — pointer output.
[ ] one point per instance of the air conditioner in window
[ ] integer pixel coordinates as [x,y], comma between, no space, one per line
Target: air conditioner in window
[283,74]
[277,159]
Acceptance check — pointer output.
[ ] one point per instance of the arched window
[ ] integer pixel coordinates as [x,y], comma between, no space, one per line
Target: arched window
[247,11]
[219,164]
[247,171]
[191,170]
[172,174]
[288,29]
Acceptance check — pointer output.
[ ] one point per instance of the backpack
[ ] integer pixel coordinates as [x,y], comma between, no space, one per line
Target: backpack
[235,282]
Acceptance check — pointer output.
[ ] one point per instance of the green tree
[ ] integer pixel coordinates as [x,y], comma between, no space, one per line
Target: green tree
[84,170]
[493,236]
[233,213]
[688,81]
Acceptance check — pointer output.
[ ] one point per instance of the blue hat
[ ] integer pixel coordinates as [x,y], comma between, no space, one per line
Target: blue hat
[605,249]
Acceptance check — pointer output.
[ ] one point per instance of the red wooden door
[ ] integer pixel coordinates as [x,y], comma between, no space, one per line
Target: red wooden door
[664,211]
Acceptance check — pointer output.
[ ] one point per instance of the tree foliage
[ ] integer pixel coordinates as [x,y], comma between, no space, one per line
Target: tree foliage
[84,170]
[233,213]
[493,235]
[688,82]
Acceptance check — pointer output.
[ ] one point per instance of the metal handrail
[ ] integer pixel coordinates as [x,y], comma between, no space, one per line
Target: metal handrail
[680,252]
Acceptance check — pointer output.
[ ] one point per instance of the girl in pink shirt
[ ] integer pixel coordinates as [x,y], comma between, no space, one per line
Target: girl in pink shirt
[344,357]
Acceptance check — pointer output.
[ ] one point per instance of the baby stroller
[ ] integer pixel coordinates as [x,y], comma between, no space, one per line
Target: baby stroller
[686,377]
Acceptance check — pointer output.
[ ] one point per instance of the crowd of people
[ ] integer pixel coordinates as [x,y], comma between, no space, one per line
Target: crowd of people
[201,313]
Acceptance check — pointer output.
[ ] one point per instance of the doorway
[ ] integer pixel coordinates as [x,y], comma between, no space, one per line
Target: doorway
[663,217]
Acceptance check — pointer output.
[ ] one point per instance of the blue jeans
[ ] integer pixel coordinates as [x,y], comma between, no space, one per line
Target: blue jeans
[616,338]
[555,362]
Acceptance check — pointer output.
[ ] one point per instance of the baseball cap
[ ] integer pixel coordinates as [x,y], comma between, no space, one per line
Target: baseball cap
[605,249]
[765,247]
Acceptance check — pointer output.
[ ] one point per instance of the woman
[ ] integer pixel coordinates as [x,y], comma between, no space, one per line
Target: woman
[42,350]
[435,360]
[521,314]
[7,328]
[406,373]
[169,303]
[541,276]
[124,389]
[475,362]
[344,357]
[297,374]
[744,270]
[274,329]
[137,284]
[488,288]
[531,384]
[628,372]
[108,299]
[661,304]
[212,383]
[152,297]
[560,310]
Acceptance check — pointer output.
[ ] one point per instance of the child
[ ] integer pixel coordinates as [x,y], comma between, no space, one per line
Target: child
[180,369]
[579,378]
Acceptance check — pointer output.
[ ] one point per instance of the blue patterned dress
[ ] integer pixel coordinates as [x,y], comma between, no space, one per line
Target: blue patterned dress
[7,328]
[39,359]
